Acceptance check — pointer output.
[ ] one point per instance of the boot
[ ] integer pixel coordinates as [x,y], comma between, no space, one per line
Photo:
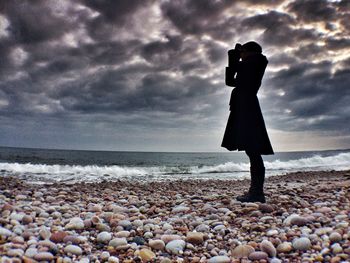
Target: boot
[256,190]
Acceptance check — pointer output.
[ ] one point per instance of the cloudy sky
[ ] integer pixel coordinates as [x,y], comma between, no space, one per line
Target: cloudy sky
[149,75]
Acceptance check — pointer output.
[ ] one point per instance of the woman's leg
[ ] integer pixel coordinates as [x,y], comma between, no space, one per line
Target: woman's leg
[257,177]
[257,173]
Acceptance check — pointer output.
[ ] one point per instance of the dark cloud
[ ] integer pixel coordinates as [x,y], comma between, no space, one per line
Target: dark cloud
[34,21]
[272,19]
[313,98]
[115,11]
[278,28]
[337,43]
[113,17]
[313,10]
[5,62]
[310,51]
[197,18]
[163,52]
[282,59]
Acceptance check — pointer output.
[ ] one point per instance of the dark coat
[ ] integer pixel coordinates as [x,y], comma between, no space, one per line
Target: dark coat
[245,130]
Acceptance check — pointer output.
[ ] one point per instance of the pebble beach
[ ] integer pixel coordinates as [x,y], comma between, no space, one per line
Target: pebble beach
[306,219]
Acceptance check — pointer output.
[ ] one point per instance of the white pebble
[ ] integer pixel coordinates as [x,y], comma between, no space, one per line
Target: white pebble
[31,252]
[219,259]
[180,209]
[73,249]
[105,255]
[104,237]
[5,232]
[176,246]
[75,223]
[335,237]
[116,242]
[302,243]
[113,260]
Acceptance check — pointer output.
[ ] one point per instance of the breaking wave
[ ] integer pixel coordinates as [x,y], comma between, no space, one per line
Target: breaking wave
[230,170]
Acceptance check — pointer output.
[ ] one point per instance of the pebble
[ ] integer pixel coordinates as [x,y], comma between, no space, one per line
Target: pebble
[73,249]
[27,220]
[137,223]
[272,232]
[268,247]
[113,260]
[324,210]
[58,236]
[167,226]
[117,242]
[5,232]
[323,231]
[76,223]
[44,256]
[302,243]
[15,252]
[175,246]
[219,259]
[73,239]
[284,247]
[157,244]
[288,220]
[203,228]
[94,208]
[148,235]
[105,255]
[125,223]
[138,240]
[168,238]
[266,208]
[299,221]
[194,238]
[146,255]
[242,251]
[44,233]
[335,237]
[104,237]
[275,260]
[258,255]
[219,228]
[166,260]
[180,209]
[122,234]
[336,248]
[103,227]
[31,252]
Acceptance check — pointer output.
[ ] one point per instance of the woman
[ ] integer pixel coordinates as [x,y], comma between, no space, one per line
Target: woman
[245,130]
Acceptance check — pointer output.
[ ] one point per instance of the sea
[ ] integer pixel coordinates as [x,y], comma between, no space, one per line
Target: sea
[41,166]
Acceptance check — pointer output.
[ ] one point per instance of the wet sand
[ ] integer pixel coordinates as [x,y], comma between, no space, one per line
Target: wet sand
[306,219]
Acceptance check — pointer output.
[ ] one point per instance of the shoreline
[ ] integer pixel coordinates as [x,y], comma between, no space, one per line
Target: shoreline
[177,221]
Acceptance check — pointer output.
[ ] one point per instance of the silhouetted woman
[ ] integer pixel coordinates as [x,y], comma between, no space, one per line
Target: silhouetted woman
[245,130]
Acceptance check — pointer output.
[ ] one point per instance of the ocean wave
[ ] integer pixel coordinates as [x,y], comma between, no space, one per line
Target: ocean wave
[340,161]
[229,170]
[59,173]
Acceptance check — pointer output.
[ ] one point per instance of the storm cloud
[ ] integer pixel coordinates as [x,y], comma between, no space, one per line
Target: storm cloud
[149,75]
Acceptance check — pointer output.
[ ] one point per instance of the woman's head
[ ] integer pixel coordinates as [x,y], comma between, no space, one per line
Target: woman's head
[250,48]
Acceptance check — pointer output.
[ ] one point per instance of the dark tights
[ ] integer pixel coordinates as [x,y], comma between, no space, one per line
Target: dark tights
[257,172]
[255,159]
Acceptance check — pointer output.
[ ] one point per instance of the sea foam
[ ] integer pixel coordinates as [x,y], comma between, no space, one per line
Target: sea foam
[229,170]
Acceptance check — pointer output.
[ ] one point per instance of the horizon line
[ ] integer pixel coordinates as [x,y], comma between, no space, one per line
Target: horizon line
[147,151]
